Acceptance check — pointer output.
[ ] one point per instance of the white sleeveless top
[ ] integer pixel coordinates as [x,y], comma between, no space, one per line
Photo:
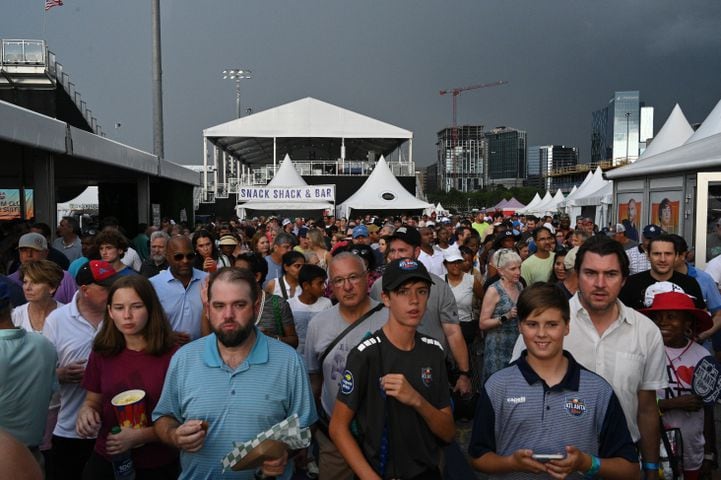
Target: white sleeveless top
[464,297]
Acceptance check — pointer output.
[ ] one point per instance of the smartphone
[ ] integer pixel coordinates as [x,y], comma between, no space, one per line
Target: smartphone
[547,457]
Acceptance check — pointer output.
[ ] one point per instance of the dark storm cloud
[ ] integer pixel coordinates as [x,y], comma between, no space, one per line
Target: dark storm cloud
[385,59]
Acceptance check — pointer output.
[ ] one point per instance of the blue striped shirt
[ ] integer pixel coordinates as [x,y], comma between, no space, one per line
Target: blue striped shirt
[269,386]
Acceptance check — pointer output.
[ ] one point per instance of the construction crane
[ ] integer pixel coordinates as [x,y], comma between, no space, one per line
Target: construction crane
[455,92]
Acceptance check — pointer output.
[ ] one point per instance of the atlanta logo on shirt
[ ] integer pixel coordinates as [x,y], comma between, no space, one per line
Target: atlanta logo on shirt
[427,376]
[575,406]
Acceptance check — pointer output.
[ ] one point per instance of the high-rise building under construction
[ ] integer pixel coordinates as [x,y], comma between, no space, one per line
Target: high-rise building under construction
[461,157]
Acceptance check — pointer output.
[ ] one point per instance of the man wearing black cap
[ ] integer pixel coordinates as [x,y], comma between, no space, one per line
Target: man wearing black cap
[391,381]
[71,329]
[441,316]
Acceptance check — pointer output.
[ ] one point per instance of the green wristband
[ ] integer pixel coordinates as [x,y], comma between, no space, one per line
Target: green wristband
[595,467]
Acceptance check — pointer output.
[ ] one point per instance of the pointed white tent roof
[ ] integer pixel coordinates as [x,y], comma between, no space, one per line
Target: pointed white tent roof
[532,204]
[594,183]
[286,176]
[551,205]
[574,191]
[541,207]
[710,126]
[439,208]
[381,191]
[675,131]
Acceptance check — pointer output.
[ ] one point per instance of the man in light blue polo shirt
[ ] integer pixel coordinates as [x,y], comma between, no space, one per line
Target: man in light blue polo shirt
[178,289]
[231,385]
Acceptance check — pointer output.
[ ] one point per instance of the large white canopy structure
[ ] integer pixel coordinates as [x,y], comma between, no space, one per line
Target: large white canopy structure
[381,191]
[330,131]
[286,176]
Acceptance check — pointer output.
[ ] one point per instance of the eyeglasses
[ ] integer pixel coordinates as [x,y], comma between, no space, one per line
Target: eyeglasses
[179,256]
[353,278]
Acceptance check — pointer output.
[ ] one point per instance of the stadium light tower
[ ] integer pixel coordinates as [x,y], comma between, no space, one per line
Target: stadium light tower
[237,74]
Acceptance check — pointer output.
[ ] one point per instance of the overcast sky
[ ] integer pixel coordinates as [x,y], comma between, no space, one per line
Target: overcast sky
[385,59]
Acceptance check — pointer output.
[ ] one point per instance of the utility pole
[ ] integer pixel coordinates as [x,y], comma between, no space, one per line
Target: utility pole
[158,144]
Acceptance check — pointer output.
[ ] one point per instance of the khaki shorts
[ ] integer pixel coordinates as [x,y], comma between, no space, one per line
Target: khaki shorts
[331,464]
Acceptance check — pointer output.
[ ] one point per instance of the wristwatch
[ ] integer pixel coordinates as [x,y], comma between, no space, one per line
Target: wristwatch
[504,318]
[464,372]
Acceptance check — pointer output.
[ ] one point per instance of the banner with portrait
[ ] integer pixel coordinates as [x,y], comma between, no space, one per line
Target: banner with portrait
[10,204]
[666,210]
[629,213]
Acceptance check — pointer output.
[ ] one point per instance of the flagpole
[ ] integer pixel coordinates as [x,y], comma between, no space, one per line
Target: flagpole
[42,32]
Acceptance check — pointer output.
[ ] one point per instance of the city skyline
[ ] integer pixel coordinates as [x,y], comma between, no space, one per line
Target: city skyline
[562,59]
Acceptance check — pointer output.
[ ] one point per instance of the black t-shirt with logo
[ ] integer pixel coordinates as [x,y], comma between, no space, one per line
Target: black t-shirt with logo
[640,288]
[394,438]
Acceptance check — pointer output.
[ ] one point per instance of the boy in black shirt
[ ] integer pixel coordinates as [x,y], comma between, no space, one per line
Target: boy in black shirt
[395,386]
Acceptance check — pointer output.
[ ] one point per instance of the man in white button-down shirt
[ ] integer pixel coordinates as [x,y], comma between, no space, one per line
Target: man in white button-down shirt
[616,342]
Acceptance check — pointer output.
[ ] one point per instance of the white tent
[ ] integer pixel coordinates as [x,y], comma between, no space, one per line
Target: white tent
[574,191]
[588,189]
[674,133]
[550,203]
[531,205]
[540,207]
[381,191]
[256,138]
[286,176]
[440,210]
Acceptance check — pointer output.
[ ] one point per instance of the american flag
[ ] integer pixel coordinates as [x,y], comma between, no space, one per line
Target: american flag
[52,3]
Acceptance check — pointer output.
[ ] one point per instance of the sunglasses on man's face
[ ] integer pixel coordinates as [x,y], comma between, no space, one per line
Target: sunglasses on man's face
[179,256]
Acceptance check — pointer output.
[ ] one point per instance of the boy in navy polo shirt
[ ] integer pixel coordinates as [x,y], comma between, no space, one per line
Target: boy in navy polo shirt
[546,404]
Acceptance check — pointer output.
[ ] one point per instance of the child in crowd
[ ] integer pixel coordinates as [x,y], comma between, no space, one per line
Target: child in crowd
[310,301]
[679,320]
[546,414]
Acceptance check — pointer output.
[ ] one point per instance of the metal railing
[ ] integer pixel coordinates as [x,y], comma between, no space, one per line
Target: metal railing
[27,59]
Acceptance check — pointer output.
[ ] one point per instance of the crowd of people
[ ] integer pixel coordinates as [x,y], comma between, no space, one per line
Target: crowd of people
[569,349]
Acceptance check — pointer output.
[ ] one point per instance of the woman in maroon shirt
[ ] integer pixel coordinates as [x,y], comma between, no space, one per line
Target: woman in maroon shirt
[132,350]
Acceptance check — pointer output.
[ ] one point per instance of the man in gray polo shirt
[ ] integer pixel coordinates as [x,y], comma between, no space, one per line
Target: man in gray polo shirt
[347,277]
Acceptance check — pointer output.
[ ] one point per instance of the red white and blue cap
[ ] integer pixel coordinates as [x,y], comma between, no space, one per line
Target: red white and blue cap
[98,272]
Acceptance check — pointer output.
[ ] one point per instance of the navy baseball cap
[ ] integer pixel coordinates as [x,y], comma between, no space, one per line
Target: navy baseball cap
[400,271]
[652,231]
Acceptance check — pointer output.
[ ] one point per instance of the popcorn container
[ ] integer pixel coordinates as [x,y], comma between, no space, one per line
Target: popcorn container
[129,408]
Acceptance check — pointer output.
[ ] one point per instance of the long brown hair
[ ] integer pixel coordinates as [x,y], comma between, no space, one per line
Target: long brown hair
[157,332]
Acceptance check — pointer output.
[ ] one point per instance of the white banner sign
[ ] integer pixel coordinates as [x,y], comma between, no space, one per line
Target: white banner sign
[308,193]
